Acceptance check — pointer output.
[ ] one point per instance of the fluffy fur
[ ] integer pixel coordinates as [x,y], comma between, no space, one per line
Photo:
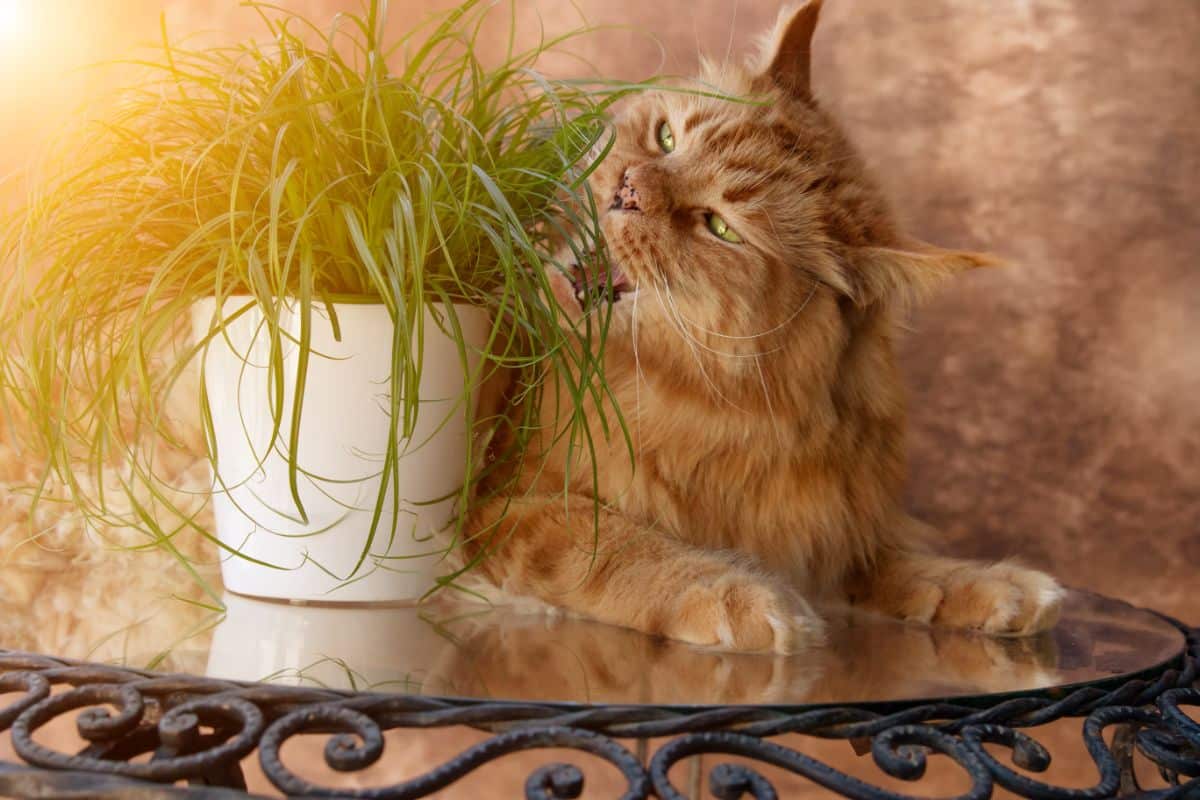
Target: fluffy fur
[759,385]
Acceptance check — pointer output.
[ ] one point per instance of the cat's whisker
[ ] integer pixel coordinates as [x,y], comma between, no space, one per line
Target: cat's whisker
[681,320]
[759,335]
[639,373]
[762,378]
[691,343]
[732,28]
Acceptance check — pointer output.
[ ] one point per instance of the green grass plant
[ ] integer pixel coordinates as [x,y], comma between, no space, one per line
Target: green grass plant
[319,166]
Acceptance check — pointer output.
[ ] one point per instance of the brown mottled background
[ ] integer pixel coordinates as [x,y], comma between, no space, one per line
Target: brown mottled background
[1056,403]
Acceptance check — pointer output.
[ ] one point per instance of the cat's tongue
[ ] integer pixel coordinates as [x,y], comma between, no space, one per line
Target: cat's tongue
[594,282]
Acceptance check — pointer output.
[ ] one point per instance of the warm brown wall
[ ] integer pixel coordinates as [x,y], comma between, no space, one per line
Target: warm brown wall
[1055,403]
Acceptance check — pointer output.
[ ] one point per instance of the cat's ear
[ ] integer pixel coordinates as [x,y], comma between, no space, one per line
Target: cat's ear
[787,49]
[909,273]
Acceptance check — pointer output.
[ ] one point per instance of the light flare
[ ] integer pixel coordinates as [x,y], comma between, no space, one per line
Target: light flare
[16,21]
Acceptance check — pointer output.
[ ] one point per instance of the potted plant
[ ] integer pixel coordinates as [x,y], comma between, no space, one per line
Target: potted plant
[342,251]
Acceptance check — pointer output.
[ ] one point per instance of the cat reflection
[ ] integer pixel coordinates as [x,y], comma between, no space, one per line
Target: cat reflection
[543,657]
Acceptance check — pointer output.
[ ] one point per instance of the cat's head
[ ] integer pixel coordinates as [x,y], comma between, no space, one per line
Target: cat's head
[730,218]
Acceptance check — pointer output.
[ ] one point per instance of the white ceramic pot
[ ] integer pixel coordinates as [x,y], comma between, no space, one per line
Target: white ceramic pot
[343,435]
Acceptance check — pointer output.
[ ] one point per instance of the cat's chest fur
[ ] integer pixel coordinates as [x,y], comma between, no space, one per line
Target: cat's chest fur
[798,465]
[722,478]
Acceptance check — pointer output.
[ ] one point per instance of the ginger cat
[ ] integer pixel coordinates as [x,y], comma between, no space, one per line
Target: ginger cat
[757,275]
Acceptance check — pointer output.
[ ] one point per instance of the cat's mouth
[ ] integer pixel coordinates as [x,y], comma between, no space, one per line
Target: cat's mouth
[593,284]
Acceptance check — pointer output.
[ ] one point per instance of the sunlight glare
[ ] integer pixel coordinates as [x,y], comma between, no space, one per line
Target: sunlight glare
[15,20]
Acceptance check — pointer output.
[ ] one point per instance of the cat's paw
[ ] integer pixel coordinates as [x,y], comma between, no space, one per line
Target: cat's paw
[1000,599]
[746,613]
[991,664]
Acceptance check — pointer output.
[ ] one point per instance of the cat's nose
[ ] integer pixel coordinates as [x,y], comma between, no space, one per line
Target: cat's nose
[626,198]
[644,187]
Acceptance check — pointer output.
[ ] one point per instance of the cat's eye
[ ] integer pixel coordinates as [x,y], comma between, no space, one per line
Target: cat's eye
[666,139]
[721,229]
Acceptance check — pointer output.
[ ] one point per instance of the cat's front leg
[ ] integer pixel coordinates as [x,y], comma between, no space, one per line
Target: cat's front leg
[624,573]
[999,598]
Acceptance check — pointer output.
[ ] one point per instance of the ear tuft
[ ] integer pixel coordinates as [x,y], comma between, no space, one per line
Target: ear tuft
[909,274]
[787,49]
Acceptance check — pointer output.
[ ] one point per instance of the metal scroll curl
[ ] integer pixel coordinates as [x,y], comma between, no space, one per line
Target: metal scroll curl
[899,752]
[34,689]
[1030,755]
[180,750]
[357,743]
[1175,744]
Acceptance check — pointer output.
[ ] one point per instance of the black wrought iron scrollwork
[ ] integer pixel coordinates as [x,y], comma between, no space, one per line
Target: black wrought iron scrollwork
[176,743]
[358,743]
[35,688]
[899,752]
[198,730]
[1175,745]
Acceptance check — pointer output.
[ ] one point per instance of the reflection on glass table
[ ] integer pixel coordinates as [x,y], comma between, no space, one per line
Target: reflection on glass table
[475,651]
[434,667]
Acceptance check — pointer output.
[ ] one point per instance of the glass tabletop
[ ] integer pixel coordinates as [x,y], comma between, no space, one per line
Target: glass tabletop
[499,653]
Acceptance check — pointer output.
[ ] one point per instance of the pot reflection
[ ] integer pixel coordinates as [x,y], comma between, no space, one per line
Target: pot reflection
[384,648]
